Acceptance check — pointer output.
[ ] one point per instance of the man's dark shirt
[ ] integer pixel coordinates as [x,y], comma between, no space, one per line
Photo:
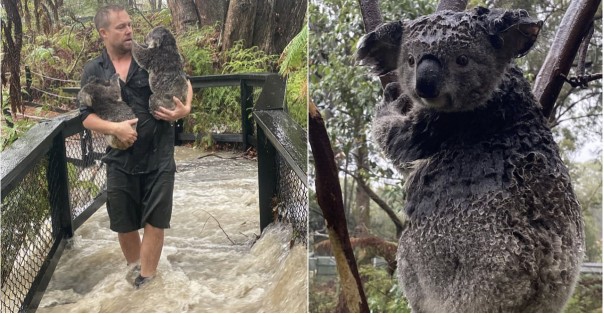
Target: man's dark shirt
[154,147]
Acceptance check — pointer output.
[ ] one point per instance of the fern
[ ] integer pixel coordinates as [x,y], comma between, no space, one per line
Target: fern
[295,54]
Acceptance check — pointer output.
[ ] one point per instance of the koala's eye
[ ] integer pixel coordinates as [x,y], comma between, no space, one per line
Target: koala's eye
[410,60]
[462,60]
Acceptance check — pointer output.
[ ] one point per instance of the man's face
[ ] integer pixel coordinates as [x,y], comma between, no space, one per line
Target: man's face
[118,34]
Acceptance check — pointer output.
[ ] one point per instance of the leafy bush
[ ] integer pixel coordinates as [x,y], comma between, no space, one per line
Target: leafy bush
[587,297]
[382,291]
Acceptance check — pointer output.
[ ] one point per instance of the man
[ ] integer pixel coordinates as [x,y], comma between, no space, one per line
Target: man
[140,180]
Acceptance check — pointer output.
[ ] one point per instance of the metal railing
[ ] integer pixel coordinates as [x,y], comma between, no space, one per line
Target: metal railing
[53,181]
[48,191]
[282,161]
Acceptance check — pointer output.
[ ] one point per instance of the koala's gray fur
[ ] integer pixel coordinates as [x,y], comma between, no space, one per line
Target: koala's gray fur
[161,59]
[494,224]
[105,98]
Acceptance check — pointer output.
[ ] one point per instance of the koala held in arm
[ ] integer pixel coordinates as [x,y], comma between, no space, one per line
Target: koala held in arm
[493,222]
[105,99]
[161,59]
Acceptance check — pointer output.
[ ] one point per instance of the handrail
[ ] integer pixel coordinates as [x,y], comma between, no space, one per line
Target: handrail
[214,80]
[19,157]
[45,145]
[246,81]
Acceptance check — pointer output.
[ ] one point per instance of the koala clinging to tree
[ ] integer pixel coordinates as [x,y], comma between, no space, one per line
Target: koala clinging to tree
[105,98]
[494,224]
[161,59]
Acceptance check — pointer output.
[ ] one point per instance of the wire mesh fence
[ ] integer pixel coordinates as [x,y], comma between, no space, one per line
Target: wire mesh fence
[34,216]
[86,173]
[27,235]
[292,195]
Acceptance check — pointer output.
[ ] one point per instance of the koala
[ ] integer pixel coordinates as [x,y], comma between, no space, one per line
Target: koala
[105,98]
[493,222]
[161,59]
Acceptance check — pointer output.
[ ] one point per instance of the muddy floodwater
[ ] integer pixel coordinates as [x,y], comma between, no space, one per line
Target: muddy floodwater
[200,269]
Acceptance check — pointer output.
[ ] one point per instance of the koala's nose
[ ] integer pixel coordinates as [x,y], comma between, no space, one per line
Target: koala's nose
[429,77]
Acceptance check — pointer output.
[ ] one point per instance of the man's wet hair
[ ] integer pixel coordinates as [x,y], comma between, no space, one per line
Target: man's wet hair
[101,19]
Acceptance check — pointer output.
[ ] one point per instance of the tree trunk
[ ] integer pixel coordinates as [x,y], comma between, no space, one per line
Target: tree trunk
[54,6]
[211,12]
[26,14]
[184,14]
[37,14]
[556,66]
[329,197]
[12,43]
[277,22]
[239,23]
[264,25]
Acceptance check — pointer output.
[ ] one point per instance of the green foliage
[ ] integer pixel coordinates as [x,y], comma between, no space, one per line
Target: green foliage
[295,53]
[293,63]
[61,55]
[382,291]
[199,50]
[588,188]
[322,295]
[247,60]
[8,133]
[89,186]
[24,211]
[587,297]
[296,95]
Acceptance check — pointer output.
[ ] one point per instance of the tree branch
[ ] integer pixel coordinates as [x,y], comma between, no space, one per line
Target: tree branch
[378,200]
[329,197]
[563,50]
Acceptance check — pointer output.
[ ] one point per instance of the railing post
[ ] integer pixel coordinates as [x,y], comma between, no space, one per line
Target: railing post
[58,188]
[247,102]
[267,178]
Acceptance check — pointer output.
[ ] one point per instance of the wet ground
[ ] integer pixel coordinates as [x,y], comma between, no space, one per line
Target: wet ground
[212,259]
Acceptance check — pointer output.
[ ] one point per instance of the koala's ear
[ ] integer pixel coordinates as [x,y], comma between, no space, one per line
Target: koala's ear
[380,49]
[514,32]
[84,98]
[114,80]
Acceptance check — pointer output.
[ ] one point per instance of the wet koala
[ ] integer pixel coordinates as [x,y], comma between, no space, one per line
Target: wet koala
[161,59]
[493,222]
[105,98]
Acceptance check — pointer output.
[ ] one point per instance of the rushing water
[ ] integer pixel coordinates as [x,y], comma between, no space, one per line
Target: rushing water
[200,270]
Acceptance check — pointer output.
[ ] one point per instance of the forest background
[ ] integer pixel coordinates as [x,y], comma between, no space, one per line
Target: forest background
[373,196]
[54,39]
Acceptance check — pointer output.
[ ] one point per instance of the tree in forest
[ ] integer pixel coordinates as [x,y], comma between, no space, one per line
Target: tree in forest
[12,42]
[268,24]
[183,14]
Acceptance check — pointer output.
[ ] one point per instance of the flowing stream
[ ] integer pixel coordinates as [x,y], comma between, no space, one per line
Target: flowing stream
[200,269]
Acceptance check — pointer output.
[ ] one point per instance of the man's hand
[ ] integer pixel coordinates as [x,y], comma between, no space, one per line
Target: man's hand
[180,110]
[125,132]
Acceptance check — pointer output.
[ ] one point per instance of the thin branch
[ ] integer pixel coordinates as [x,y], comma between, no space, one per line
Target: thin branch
[144,17]
[580,117]
[219,226]
[378,200]
[583,51]
[581,80]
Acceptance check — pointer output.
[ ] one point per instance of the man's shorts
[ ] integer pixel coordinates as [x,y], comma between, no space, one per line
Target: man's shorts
[135,200]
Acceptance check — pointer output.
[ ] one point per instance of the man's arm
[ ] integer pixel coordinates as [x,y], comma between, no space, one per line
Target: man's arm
[91,121]
[122,130]
[180,110]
